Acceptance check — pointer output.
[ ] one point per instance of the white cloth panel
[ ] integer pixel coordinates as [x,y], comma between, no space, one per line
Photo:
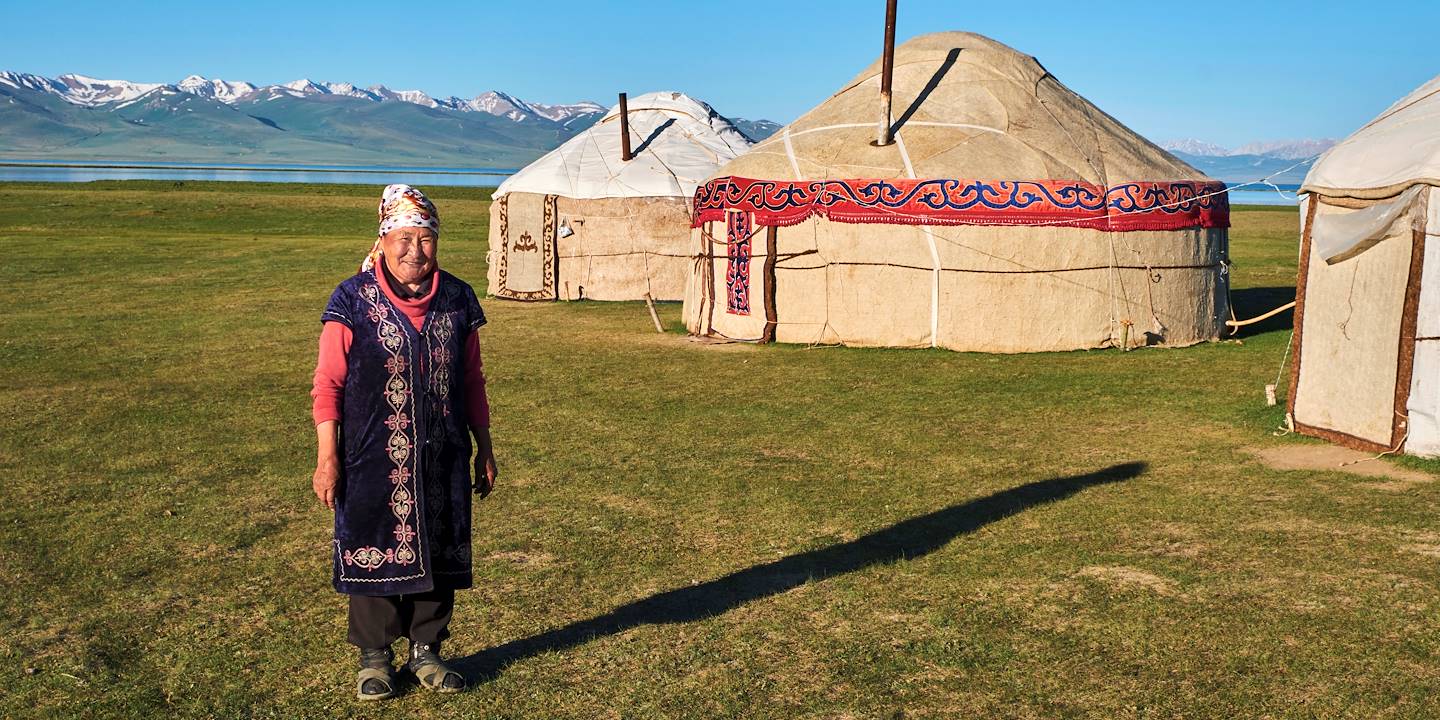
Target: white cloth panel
[1424,404]
[1401,146]
[677,140]
[1429,320]
[1341,234]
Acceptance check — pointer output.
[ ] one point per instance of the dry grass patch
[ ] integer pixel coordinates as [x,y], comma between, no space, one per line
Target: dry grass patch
[1129,578]
[1324,457]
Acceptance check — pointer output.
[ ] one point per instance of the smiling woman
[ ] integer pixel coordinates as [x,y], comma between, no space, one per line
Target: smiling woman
[398,391]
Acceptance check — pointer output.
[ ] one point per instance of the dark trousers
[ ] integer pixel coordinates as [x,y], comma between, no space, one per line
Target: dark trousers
[376,622]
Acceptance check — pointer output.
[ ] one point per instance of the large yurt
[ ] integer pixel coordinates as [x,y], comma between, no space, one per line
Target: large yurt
[1008,214]
[1366,368]
[583,222]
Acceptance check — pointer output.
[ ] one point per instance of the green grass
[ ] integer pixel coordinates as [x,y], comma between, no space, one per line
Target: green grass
[679,530]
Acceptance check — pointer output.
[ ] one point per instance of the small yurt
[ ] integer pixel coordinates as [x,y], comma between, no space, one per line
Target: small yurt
[1366,368]
[1007,214]
[584,222]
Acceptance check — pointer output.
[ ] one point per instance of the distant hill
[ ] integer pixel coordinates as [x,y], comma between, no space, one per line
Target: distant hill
[200,120]
[757,130]
[1283,162]
[78,118]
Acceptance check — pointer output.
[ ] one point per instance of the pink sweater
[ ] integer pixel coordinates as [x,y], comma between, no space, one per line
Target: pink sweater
[328,389]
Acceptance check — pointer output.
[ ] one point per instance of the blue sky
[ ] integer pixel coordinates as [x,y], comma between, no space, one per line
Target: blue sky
[1223,72]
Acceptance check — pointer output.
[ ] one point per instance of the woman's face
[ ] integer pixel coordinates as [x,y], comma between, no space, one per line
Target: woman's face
[409,254]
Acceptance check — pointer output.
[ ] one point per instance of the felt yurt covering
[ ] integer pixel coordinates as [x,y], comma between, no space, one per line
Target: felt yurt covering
[581,222]
[1366,367]
[1008,215]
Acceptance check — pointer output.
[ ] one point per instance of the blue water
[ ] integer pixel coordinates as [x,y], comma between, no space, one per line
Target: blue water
[374,175]
[1268,196]
[342,174]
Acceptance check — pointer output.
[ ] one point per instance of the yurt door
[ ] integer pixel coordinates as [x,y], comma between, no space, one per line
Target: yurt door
[527,257]
[1352,371]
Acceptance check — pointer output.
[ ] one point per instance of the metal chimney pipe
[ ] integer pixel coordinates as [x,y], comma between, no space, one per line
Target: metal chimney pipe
[625,154]
[887,72]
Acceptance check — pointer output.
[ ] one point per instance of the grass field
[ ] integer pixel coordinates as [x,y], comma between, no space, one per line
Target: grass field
[679,530]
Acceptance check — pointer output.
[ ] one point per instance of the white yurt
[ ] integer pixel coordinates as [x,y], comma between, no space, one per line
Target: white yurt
[1366,368]
[584,223]
[1009,214]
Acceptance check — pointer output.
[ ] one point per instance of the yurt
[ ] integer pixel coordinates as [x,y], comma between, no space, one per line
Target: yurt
[1366,367]
[1008,214]
[585,222]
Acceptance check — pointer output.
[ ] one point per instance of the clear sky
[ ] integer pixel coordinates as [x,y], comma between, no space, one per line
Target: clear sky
[1223,72]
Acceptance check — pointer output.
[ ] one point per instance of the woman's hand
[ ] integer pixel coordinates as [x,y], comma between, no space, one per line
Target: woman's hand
[327,462]
[485,470]
[326,480]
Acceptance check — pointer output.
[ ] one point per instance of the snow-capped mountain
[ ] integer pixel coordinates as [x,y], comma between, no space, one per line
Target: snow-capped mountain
[1278,149]
[226,92]
[306,87]
[153,98]
[199,119]
[31,82]
[564,114]
[383,93]
[1194,147]
[343,89]
[756,130]
[90,92]
[1283,162]
[502,105]
[1287,149]
[348,90]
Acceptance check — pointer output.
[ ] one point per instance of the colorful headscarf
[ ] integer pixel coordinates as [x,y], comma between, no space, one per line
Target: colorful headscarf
[402,206]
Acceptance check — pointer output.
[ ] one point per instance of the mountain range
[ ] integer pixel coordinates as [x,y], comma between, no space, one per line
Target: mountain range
[200,120]
[74,117]
[1282,162]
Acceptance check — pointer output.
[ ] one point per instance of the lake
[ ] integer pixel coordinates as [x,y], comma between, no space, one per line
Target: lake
[21,171]
[1267,196]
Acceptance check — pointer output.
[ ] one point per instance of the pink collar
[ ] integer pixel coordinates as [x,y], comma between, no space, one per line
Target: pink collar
[411,305]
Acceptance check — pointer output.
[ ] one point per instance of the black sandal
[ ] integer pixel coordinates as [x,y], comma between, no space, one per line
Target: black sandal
[376,680]
[432,672]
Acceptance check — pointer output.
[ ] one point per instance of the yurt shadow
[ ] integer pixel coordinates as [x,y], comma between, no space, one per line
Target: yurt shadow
[926,91]
[645,144]
[1252,302]
[906,540]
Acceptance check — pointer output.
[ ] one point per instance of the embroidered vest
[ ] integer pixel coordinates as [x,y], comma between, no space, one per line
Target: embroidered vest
[402,512]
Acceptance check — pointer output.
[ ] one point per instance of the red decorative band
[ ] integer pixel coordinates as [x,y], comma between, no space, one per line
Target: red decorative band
[1061,203]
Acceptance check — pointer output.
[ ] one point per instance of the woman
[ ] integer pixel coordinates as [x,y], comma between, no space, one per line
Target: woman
[398,392]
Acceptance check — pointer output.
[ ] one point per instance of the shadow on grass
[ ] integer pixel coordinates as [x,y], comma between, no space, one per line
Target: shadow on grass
[1253,302]
[905,540]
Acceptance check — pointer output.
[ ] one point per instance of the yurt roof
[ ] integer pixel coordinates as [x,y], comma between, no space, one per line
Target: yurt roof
[965,106]
[677,142]
[1398,149]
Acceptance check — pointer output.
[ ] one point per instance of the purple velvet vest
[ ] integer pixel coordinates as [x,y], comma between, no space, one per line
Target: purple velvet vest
[402,513]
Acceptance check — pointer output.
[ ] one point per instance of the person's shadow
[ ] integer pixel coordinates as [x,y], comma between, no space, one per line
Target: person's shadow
[902,541]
